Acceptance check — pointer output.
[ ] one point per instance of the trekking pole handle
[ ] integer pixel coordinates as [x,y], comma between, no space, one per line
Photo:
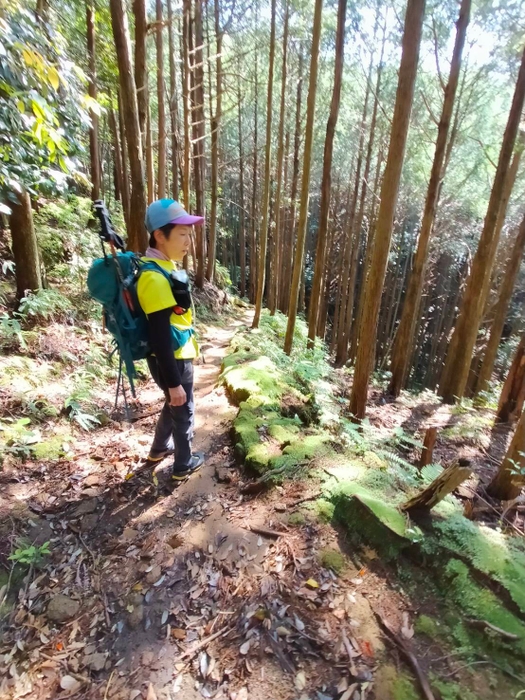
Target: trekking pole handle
[107,230]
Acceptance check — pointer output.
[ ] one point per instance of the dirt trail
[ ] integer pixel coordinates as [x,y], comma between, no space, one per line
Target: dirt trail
[173,593]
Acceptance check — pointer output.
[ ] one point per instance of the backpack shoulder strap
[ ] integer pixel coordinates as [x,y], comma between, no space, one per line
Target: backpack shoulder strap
[150,266]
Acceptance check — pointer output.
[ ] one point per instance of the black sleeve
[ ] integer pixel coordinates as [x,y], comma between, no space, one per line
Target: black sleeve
[161,346]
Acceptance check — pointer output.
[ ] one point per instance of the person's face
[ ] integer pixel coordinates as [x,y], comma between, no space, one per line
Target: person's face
[178,244]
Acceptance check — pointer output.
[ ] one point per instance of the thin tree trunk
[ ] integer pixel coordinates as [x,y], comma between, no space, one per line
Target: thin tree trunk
[457,364]
[215,126]
[199,163]
[265,204]
[92,91]
[389,191]
[405,331]
[305,183]
[509,481]
[253,238]
[149,158]
[161,154]
[242,231]
[294,187]
[25,246]
[326,183]
[141,78]
[512,396]
[137,238]
[278,234]
[124,159]
[186,28]
[501,308]
[173,102]
[119,171]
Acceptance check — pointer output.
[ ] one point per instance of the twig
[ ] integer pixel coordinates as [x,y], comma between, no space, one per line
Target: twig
[484,624]
[109,682]
[307,498]
[190,653]
[408,654]
[349,651]
[265,532]
[461,668]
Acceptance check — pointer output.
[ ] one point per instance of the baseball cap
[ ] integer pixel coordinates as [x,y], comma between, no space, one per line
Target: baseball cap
[168,211]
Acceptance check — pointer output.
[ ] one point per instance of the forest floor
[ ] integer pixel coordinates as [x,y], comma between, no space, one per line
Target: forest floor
[204,590]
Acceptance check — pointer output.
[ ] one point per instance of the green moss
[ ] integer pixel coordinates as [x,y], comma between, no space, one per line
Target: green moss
[258,457]
[404,689]
[253,378]
[489,551]
[426,625]
[325,510]
[296,519]
[53,448]
[481,604]
[308,447]
[331,559]
[284,435]
[450,690]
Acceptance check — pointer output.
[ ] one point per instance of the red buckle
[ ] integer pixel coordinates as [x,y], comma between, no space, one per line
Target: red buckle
[179,310]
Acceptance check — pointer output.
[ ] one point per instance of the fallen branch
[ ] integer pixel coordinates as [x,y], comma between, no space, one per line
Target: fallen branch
[484,624]
[449,479]
[190,653]
[409,656]
[266,532]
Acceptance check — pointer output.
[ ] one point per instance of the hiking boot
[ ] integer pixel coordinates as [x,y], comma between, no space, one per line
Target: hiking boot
[197,460]
[158,455]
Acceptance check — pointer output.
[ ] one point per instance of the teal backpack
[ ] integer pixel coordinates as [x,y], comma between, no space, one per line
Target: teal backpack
[112,281]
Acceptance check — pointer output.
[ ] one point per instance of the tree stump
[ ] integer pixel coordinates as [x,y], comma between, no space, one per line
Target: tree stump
[427,452]
[445,483]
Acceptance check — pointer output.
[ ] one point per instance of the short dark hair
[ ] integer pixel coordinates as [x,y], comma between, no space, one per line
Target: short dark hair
[166,230]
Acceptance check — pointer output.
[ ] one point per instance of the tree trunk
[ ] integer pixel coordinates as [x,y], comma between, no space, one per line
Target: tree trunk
[512,396]
[174,109]
[305,183]
[405,331]
[161,157]
[265,204]
[509,480]
[92,91]
[141,78]
[215,126]
[291,228]
[199,163]
[186,28]
[119,169]
[501,308]
[326,183]
[389,191]
[124,159]
[25,246]
[278,235]
[242,231]
[149,158]
[457,364]
[253,238]
[137,238]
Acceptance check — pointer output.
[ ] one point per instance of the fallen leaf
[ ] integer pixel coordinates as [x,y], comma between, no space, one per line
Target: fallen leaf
[178,633]
[312,583]
[134,694]
[300,681]
[245,648]
[70,683]
[407,630]
[349,692]
[152,695]
[164,618]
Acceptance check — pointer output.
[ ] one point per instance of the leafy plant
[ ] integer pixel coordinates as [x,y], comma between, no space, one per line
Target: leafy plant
[30,554]
[19,440]
[10,330]
[45,304]
[76,411]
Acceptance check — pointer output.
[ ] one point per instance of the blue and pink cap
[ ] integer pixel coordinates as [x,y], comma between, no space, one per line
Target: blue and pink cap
[168,211]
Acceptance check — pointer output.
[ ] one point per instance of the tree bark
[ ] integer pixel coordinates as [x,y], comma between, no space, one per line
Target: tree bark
[242,231]
[215,127]
[400,356]
[278,235]
[186,28]
[305,184]
[137,238]
[119,170]
[25,246]
[265,204]
[253,237]
[326,183]
[457,364]
[509,481]
[174,109]
[199,163]
[161,153]
[94,156]
[389,191]
[124,160]
[512,396]
[141,78]
[501,308]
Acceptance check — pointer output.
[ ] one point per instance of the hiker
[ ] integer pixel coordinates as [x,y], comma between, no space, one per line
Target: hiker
[170,331]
